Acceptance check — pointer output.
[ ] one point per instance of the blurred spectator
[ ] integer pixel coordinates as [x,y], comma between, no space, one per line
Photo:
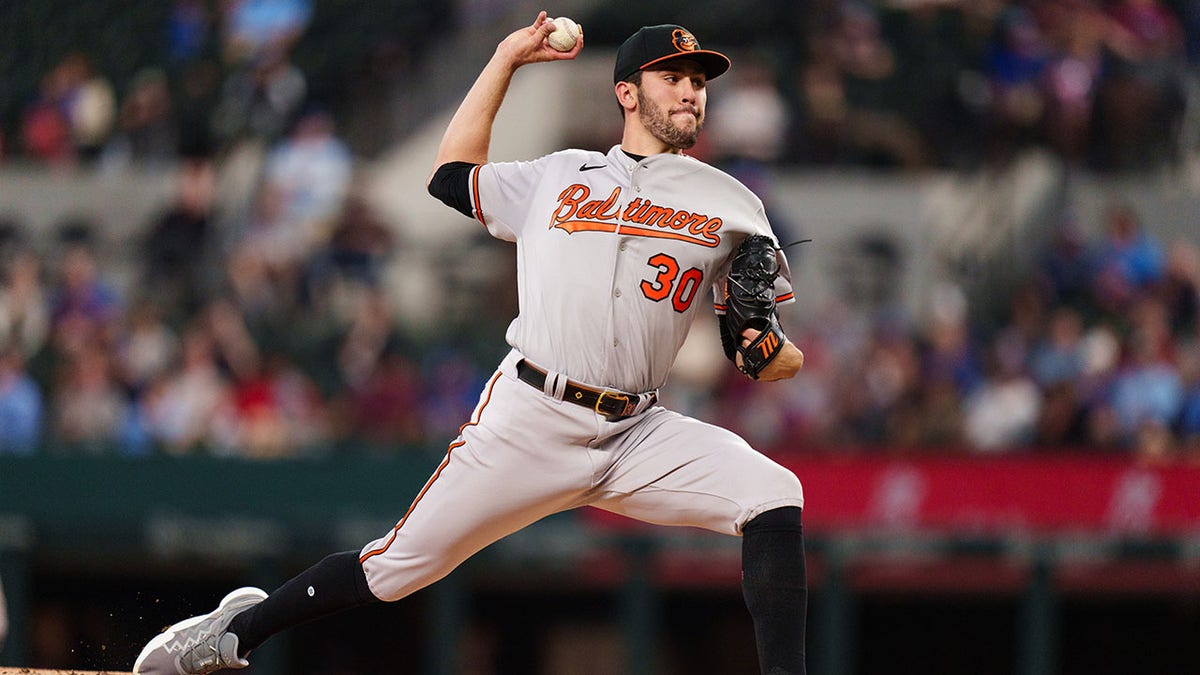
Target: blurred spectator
[367,371]
[1058,357]
[146,133]
[253,27]
[190,409]
[1079,33]
[189,30]
[1191,32]
[85,308]
[1064,268]
[1188,426]
[1152,37]
[452,386]
[277,410]
[146,348]
[1147,389]
[1128,259]
[385,410]
[358,249]
[1062,419]
[236,351]
[12,236]
[176,249]
[90,104]
[45,130]
[949,353]
[1101,356]
[87,102]
[372,331]
[751,118]
[1026,321]
[1141,93]
[196,103]
[929,418]
[1003,411]
[257,102]
[311,169]
[1013,66]
[263,269]
[20,406]
[855,77]
[24,307]
[305,183]
[1180,288]
[874,380]
[90,411]
[823,113]
[762,415]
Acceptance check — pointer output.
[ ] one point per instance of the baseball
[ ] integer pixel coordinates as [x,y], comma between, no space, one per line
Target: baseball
[565,35]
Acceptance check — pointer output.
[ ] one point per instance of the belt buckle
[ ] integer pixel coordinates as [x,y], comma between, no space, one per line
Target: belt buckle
[626,410]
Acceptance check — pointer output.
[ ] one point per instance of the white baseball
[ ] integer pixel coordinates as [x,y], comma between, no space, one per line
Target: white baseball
[565,35]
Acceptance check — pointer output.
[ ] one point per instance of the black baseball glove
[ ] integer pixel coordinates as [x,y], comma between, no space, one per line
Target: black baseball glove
[750,303]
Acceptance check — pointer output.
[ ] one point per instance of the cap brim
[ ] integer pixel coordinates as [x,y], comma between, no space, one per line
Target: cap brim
[713,63]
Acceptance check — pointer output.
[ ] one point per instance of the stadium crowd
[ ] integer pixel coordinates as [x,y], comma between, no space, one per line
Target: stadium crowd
[270,334]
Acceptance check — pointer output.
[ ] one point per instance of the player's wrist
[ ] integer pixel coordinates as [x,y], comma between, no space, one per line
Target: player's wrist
[785,365]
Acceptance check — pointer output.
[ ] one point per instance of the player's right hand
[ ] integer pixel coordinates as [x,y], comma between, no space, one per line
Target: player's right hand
[528,45]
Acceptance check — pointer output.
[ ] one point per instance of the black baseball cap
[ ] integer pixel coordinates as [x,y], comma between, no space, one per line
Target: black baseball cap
[655,44]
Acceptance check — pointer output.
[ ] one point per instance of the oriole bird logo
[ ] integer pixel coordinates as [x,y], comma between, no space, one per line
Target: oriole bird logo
[684,41]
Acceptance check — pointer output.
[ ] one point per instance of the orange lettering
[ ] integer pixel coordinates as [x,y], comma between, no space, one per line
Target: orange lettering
[630,209]
[568,203]
[655,215]
[768,345]
[709,231]
[600,210]
[576,212]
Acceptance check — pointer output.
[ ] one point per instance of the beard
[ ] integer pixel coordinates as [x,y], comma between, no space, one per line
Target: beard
[660,125]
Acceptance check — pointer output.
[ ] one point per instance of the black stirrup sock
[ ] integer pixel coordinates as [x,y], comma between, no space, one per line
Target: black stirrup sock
[336,583]
[775,587]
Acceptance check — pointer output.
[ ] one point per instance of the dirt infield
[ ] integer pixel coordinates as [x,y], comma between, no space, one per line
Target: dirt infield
[36,671]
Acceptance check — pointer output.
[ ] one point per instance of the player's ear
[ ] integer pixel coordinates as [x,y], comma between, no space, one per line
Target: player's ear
[627,95]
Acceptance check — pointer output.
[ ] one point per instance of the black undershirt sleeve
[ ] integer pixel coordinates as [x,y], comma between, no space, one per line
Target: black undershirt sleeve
[451,184]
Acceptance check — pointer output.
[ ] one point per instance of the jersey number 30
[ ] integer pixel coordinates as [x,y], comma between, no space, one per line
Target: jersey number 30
[682,293]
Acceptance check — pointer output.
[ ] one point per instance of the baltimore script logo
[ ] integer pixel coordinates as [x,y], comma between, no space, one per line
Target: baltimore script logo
[640,217]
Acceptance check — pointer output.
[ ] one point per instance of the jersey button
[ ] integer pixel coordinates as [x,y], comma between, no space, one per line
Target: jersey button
[617,292]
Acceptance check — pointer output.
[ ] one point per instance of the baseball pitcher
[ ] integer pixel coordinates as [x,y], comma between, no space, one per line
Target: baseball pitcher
[617,252]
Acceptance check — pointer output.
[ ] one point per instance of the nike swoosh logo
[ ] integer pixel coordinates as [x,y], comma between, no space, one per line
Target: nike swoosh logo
[585,167]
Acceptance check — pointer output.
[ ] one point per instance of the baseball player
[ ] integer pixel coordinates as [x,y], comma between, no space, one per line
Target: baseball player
[615,251]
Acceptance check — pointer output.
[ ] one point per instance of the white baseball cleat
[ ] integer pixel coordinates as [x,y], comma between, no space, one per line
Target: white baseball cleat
[199,645]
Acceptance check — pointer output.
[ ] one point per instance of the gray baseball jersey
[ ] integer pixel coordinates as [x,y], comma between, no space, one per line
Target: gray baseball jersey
[614,257]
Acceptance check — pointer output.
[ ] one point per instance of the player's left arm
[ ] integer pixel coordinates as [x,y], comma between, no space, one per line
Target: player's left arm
[750,332]
[785,365]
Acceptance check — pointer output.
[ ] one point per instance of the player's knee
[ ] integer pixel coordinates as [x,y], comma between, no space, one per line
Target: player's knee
[395,579]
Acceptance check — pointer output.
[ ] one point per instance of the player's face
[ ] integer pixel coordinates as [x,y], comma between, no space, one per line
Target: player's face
[671,103]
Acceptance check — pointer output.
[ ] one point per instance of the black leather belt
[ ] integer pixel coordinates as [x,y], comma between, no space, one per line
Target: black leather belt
[614,405]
